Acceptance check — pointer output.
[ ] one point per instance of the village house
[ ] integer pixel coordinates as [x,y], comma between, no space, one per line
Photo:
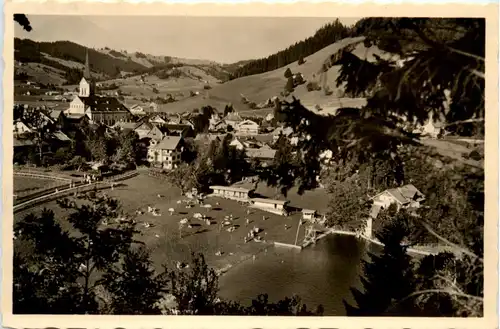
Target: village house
[158,132]
[21,128]
[237,144]
[125,125]
[57,117]
[166,153]
[280,131]
[233,193]
[251,144]
[247,127]
[404,197]
[263,153]
[69,123]
[433,127]
[218,126]
[137,109]
[407,196]
[157,118]
[143,128]
[58,139]
[184,130]
[174,119]
[99,109]
[233,119]
[215,117]
[206,139]
[278,207]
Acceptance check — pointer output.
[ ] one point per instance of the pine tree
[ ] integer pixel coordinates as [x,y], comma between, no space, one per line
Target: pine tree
[289,85]
[62,268]
[388,279]
[288,73]
[134,286]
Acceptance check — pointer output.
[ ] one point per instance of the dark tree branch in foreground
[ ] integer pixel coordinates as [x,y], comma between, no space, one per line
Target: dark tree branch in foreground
[22,20]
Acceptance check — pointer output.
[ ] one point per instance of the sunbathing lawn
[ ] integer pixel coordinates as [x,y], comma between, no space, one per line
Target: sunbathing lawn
[163,236]
[25,184]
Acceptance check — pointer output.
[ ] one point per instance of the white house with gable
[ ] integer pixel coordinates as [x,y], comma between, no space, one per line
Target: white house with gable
[248,127]
[166,153]
[407,196]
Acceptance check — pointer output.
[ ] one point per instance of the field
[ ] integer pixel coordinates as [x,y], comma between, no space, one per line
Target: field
[260,87]
[168,244]
[454,150]
[25,184]
[193,80]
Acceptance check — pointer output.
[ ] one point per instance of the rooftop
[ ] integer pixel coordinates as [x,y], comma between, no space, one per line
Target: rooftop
[230,188]
[168,143]
[59,135]
[271,201]
[126,125]
[262,153]
[233,117]
[404,194]
[104,104]
[285,131]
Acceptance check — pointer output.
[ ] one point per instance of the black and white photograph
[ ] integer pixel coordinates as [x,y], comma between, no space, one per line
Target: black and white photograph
[250,166]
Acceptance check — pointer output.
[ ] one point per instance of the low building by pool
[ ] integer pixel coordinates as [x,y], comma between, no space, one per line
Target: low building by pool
[278,207]
[233,193]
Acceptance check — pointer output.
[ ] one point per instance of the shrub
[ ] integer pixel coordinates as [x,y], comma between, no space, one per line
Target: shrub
[312,86]
[288,73]
[207,87]
[474,155]
[289,85]
[252,105]
[299,79]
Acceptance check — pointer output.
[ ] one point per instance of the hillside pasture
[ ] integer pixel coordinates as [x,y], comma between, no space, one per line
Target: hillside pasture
[42,73]
[261,87]
[192,79]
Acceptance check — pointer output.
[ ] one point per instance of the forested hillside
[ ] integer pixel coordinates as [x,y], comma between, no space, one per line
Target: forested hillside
[30,51]
[107,63]
[325,36]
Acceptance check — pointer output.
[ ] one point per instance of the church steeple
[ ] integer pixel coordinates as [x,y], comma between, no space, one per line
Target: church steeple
[87,86]
[86,73]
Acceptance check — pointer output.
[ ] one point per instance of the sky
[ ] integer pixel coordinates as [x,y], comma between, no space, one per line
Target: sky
[221,39]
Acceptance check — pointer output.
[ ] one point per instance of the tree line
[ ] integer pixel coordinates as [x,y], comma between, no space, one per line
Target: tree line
[88,143]
[325,36]
[31,51]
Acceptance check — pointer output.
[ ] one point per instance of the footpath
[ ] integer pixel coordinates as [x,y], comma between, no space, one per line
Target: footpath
[55,193]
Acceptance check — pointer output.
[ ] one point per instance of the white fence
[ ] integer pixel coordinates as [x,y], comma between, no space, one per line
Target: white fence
[54,194]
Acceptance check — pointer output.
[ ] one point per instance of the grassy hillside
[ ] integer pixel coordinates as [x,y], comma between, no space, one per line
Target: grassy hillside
[105,63]
[261,87]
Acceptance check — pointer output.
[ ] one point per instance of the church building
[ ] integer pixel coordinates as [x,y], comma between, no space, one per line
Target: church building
[99,109]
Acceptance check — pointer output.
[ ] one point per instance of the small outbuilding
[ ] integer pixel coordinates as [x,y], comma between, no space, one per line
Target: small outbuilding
[278,207]
[308,214]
